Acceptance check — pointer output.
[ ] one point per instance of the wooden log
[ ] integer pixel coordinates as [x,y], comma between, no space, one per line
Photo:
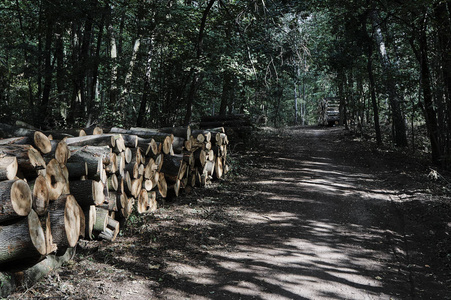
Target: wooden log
[112,202]
[172,166]
[150,169]
[202,135]
[65,221]
[41,142]
[90,220]
[162,185]
[91,130]
[23,279]
[56,179]
[219,168]
[50,245]
[200,158]
[77,170]
[88,192]
[183,132]
[62,152]
[40,195]
[111,231]
[178,145]
[164,138]
[101,220]
[90,154]
[35,138]
[23,239]
[173,190]
[209,168]
[15,199]
[118,143]
[92,140]
[121,165]
[125,205]
[8,167]
[133,170]
[112,167]
[29,160]
[112,182]
[152,205]
[142,201]
[131,140]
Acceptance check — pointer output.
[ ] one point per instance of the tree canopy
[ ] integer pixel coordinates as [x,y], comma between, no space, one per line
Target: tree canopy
[166,63]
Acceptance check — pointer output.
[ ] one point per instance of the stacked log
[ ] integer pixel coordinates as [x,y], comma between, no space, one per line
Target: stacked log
[55,191]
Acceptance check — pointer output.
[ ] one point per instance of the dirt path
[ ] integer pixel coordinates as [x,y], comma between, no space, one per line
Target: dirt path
[310,214]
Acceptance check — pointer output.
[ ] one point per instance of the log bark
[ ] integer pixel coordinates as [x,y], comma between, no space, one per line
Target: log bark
[89,140]
[65,221]
[182,132]
[172,166]
[88,192]
[8,167]
[23,239]
[15,199]
[101,220]
[77,170]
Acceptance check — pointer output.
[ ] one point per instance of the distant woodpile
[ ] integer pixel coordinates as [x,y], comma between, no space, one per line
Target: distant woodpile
[57,187]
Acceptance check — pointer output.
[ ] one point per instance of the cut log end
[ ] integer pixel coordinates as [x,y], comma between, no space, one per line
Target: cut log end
[72,213]
[42,142]
[21,198]
[40,195]
[37,233]
[8,167]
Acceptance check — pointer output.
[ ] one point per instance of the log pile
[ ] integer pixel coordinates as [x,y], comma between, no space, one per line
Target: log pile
[55,191]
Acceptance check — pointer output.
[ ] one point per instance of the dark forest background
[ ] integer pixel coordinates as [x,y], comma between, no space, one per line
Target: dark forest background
[155,63]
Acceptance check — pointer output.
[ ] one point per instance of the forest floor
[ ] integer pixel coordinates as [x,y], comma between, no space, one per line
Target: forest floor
[305,213]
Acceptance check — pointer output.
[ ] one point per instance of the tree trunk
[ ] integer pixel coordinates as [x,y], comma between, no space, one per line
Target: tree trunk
[196,73]
[400,135]
[430,114]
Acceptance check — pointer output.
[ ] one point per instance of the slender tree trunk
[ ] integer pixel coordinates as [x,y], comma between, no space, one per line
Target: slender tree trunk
[196,73]
[443,25]
[399,125]
[372,83]
[226,91]
[147,78]
[127,82]
[95,69]
[47,67]
[430,113]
